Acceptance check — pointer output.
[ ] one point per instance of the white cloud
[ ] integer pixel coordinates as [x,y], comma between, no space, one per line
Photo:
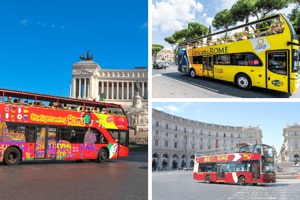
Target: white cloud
[209,20]
[24,22]
[223,4]
[173,14]
[159,108]
[145,25]
[204,15]
[173,108]
[53,25]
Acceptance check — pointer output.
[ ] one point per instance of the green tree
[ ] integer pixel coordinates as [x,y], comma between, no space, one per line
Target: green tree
[174,43]
[266,23]
[209,32]
[197,30]
[242,10]
[293,15]
[155,49]
[264,7]
[223,20]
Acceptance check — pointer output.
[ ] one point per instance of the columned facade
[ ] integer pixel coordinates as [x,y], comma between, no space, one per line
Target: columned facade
[175,140]
[290,150]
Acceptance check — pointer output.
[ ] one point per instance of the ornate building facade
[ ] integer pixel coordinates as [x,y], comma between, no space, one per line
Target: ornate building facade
[290,150]
[89,81]
[175,140]
[166,54]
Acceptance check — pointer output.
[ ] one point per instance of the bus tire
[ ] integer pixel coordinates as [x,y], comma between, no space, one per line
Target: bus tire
[243,81]
[208,179]
[242,180]
[12,156]
[180,67]
[192,73]
[102,156]
[254,184]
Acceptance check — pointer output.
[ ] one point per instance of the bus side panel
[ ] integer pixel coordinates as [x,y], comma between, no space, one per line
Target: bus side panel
[199,176]
[246,174]
[28,153]
[5,145]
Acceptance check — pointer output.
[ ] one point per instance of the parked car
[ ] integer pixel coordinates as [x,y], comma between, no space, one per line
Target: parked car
[160,64]
[187,168]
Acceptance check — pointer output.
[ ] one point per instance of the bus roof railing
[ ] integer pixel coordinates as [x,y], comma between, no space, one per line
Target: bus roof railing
[231,29]
[42,97]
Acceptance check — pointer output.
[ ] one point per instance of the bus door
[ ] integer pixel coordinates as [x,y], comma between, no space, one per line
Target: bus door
[205,66]
[221,172]
[210,67]
[45,143]
[255,169]
[277,70]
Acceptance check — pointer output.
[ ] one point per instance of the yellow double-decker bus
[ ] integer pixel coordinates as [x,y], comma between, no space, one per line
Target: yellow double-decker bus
[262,53]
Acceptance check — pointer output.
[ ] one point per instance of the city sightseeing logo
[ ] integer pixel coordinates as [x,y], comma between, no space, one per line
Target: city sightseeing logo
[260,41]
[260,44]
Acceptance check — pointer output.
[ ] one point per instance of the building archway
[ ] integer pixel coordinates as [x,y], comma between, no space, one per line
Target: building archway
[154,160]
[296,158]
[192,160]
[175,160]
[165,161]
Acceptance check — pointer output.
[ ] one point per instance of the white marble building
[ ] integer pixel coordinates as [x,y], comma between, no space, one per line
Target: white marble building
[176,140]
[89,81]
[290,150]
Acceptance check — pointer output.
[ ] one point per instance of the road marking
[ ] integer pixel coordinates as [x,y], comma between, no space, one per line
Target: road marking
[156,75]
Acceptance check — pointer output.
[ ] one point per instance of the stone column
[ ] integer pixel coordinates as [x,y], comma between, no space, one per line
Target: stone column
[74,88]
[122,91]
[159,163]
[102,88]
[178,161]
[112,90]
[143,93]
[118,90]
[84,89]
[87,88]
[80,87]
[107,91]
[90,88]
[127,95]
[132,88]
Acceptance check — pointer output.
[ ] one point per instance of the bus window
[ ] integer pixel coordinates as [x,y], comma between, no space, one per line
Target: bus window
[197,60]
[29,134]
[205,63]
[222,60]
[257,149]
[230,167]
[295,60]
[240,167]
[115,110]
[52,134]
[277,62]
[114,134]
[100,138]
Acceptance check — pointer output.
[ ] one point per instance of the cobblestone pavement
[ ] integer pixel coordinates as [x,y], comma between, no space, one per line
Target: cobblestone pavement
[125,178]
[169,83]
[181,185]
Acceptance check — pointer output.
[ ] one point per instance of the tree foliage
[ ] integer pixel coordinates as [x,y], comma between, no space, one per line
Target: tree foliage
[155,49]
[293,15]
[266,23]
[264,7]
[242,10]
[223,20]
[193,31]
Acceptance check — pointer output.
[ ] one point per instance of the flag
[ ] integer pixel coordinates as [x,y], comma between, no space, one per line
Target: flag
[97,99]
[101,97]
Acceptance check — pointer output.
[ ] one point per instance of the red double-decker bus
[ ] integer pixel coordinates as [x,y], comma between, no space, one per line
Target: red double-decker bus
[43,127]
[252,164]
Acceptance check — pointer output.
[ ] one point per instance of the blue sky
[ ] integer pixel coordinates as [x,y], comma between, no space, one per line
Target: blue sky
[271,117]
[40,40]
[169,16]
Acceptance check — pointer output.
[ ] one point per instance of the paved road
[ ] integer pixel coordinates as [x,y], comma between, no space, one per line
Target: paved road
[169,83]
[181,185]
[115,179]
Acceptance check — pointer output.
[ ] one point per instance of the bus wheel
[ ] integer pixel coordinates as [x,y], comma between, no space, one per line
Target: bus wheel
[102,156]
[193,73]
[243,82]
[242,180]
[12,156]
[208,179]
[254,184]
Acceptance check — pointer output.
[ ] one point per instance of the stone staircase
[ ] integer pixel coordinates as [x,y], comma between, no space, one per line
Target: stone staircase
[282,174]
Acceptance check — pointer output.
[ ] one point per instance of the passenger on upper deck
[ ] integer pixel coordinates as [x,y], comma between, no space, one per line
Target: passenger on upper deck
[26,103]
[21,102]
[233,38]
[16,101]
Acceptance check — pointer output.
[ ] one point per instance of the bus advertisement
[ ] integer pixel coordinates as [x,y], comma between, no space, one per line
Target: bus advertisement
[262,53]
[252,164]
[69,129]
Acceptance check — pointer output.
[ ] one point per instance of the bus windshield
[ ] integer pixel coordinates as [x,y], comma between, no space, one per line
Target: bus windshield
[115,110]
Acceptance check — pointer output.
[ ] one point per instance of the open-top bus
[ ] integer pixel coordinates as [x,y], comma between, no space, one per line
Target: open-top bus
[67,129]
[264,54]
[252,164]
